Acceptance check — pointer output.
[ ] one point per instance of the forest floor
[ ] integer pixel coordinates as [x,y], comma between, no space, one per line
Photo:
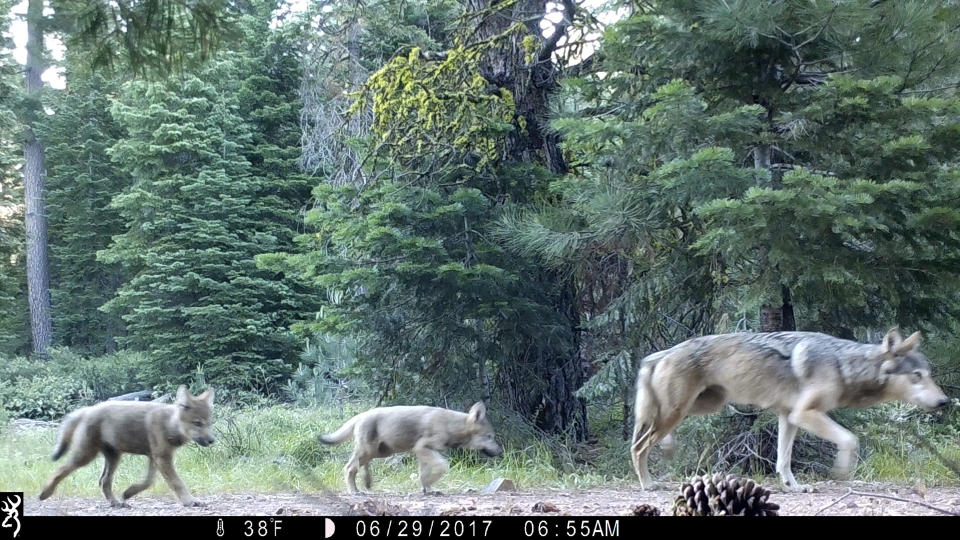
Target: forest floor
[829,498]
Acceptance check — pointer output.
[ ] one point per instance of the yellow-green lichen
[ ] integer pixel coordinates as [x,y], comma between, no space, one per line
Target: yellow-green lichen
[423,108]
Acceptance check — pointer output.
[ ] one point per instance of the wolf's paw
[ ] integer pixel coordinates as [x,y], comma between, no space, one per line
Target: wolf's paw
[117,504]
[798,488]
[432,493]
[194,502]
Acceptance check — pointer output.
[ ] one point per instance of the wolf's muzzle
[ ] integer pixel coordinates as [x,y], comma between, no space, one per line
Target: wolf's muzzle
[205,441]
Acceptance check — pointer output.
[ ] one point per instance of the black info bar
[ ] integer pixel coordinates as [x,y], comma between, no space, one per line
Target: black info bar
[413,527]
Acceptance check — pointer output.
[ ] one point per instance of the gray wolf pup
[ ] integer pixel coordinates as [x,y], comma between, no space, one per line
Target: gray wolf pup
[152,429]
[801,375]
[424,431]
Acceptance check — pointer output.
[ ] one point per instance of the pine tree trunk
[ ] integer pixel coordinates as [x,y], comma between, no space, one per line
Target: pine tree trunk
[506,67]
[788,322]
[774,318]
[553,403]
[34,178]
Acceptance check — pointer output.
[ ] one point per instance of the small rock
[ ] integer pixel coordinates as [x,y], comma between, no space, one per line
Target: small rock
[279,510]
[544,507]
[499,485]
[450,510]
[851,504]
[375,508]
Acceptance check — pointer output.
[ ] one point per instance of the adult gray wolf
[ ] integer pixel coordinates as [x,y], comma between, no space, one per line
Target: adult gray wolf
[801,375]
[424,431]
[152,429]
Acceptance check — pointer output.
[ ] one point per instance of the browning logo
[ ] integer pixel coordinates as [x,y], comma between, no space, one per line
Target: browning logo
[11,503]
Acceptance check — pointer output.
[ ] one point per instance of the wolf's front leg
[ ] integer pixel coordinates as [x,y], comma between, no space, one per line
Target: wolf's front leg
[431,465]
[165,465]
[821,425]
[147,482]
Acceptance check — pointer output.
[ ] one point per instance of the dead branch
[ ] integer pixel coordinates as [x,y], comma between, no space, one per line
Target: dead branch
[835,501]
[851,491]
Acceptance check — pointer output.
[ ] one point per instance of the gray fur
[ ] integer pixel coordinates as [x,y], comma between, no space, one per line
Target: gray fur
[801,375]
[424,431]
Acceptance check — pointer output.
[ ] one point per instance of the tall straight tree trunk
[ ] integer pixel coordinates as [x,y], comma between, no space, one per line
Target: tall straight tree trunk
[34,180]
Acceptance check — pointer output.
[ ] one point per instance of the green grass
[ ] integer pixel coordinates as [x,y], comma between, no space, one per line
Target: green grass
[895,463]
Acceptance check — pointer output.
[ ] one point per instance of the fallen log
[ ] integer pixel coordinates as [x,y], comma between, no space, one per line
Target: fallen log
[142,395]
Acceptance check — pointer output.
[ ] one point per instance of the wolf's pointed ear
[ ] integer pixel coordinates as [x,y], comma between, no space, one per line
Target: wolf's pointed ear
[910,343]
[477,413]
[209,395]
[183,396]
[892,340]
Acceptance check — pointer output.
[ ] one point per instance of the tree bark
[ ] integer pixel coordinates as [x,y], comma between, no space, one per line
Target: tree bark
[550,401]
[34,180]
[774,318]
[506,66]
[788,323]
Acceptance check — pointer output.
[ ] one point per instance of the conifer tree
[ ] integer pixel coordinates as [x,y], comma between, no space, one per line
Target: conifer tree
[195,220]
[81,182]
[14,321]
[797,153]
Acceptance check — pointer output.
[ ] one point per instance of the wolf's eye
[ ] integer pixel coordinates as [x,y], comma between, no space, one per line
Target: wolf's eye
[198,423]
[916,376]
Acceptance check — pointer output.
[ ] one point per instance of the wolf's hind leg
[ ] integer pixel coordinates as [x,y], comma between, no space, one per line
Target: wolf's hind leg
[358,460]
[81,456]
[786,434]
[111,458]
[668,446]
[646,436]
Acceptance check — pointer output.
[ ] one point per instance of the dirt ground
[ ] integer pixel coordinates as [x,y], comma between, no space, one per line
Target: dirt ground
[829,498]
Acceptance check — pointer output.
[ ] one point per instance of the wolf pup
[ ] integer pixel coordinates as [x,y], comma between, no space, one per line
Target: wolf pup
[425,431]
[801,375]
[152,429]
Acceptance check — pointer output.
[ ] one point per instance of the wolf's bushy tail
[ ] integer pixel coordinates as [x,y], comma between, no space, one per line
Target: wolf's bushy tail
[65,436]
[341,434]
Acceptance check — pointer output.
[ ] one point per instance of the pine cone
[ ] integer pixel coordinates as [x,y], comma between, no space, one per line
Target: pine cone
[646,510]
[718,496]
